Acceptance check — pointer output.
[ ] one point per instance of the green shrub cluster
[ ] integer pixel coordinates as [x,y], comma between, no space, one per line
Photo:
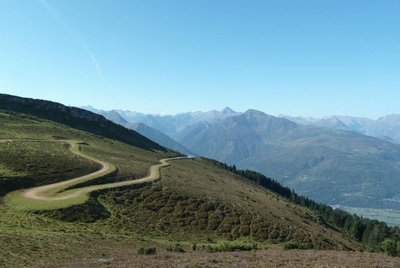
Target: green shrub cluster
[165,210]
[232,246]
[176,248]
[292,245]
[147,251]
[391,247]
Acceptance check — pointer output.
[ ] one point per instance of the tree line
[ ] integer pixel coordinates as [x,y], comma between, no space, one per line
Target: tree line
[374,235]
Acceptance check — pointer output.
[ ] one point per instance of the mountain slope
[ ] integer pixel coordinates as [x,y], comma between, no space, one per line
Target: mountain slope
[158,137]
[387,127]
[149,132]
[331,166]
[76,118]
[115,117]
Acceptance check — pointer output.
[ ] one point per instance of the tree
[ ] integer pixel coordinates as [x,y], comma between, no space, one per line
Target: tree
[398,248]
[357,229]
[390,246]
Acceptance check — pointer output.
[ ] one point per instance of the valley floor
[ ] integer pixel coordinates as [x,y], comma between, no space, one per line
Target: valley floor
[389,216]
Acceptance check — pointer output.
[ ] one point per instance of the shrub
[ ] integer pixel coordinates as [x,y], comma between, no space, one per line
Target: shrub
[398,248]
[176,248]
[233,246]
[292,245]
[147,251]
[390,247]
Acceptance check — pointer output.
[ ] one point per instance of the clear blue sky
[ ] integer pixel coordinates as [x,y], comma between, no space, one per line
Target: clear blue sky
[297,57]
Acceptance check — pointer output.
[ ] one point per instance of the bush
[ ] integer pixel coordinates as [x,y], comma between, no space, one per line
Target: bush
[398,248]
[390,247]
[147,251]
[292,245]
[176,248]
[234,246]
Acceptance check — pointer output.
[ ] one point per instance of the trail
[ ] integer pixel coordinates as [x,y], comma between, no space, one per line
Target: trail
[56,191]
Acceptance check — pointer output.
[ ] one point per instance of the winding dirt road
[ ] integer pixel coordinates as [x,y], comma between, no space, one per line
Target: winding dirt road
[57,192]
[53,191]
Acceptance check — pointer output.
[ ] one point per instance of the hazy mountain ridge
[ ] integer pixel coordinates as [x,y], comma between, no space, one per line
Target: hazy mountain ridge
[386,127]
[333,160]
[171,125]
[159,137]
[145,130]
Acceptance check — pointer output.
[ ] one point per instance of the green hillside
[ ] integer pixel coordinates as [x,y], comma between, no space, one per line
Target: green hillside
[76,118]
[197,205]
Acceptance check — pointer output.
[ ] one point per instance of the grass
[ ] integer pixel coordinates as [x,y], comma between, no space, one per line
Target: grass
[37,162]
[41,162]
[238,209]
[18,199]
[6,172]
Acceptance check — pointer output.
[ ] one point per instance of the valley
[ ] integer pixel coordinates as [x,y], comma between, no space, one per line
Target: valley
[390,216]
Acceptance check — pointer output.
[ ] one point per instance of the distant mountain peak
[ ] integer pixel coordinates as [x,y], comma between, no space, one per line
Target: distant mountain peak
[228,110]
[253,112]
[88,107]
[114,116]
[390,117]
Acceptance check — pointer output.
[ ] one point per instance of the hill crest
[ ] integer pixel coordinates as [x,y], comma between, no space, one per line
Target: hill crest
[77,118]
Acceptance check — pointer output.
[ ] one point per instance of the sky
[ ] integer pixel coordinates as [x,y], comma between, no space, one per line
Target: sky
[295,57]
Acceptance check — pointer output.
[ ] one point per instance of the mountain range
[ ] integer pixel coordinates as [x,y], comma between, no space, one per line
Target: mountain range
[334,160]
[386,127]
[171,125]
